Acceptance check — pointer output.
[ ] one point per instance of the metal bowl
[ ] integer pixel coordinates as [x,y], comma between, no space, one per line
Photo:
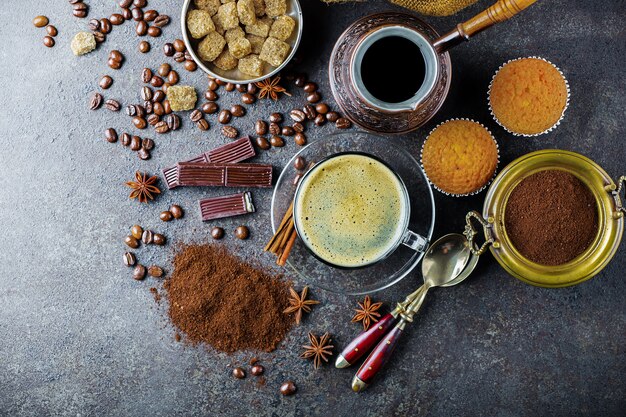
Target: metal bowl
[235,76]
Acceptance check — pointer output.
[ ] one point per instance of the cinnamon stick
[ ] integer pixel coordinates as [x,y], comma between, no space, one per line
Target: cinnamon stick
[292,240]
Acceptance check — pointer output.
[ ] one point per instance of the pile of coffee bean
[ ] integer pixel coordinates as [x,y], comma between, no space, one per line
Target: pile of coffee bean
[41,21]
[137,235]
[79,8]
[179,52]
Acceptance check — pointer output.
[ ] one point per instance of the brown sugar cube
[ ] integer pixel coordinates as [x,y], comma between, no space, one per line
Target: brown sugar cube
[226,61]
[83,43]
[282,27]
[245,10]
[227,15]
[210,6]
[240,47]
[211,46]
[275,8]
[256,42]
[259,7]
[199,23]
[218,26]
[234,33]
[261,27]
[274,51]
[181,97]
[251,65]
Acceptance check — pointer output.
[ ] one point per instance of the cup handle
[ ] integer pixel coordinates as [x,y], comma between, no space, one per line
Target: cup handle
[414,241]
[499,12]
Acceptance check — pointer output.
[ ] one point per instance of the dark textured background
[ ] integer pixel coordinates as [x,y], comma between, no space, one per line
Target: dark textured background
[79,337]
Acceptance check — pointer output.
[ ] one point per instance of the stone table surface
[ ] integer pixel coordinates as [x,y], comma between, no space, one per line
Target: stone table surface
[80,337]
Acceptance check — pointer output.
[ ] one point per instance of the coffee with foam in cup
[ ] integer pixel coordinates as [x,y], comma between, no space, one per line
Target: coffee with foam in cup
[351,210]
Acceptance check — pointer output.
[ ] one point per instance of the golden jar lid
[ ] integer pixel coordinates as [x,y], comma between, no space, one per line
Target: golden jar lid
[587,264]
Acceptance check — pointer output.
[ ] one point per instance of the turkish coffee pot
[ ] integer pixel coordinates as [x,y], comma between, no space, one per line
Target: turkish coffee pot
[376,115]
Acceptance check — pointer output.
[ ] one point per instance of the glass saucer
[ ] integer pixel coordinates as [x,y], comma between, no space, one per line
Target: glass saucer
[391,269]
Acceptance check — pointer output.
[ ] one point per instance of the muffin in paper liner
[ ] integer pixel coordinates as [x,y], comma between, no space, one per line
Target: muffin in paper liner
[479,187]
[510,129]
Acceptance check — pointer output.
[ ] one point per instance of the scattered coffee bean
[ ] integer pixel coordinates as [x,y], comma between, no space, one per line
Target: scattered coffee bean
[322,108]
[242,232]
[166,216]
[230,132]
[159,239]
[96,101]
[242,88]
[309,111]
[173,78]
[135,143]
[220,82]
[126,138]
[211,95]
[105,82]
[297,115]
[209,108]
[168,110]
[156,81]
[298,127]
[288,131]
[274,128]
[161,127]
[310,87]
[260,127]
[146,75]
[140,3]
[154,31]
[238,110]
[94,24]
[158,97]
[300,139]
[257,370]
[116,55]
[141,29]
[110,135]
[161,20]
[112,105]
[213,85]
[131,110]
[144,47]
[129,259]
[131,242]
[248,98]
[320,120]
[139,122]
[168,49]
[202,124]
[252,88]
[224,116]
[113,64]
[136,231]
[332,116]
[239,373]
[143,154]
[147,144]
[146,93]
[314,97]
[137,14]
[127,13]
[276,117]
[48,41]
[150,15]
[116,19]
[173,120]
[125,3]
[177,211]
[139,272]
[179,57]
[155,271]
[147,237]
[300,80]
[80,9]
[288,388]
[99,37]
[40,21]
[262,143]
[153,119]
[158,108]
[52,30]
[277,141]
[195,115]
[229,87]
[217,233]
[105,26]
[299,163]
[343,123]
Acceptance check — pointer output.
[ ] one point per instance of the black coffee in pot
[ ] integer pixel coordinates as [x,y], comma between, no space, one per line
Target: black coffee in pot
[393,69]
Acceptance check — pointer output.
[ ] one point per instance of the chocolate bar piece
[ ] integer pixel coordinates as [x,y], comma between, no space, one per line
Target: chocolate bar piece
[231,153]
[226,206]
[200,174]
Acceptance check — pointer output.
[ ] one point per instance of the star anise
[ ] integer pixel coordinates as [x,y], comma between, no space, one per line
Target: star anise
[143,187]
[298,303]
[319,349]
[270,88]
[367,313]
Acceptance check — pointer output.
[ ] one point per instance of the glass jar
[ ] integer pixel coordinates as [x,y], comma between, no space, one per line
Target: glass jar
[587,264]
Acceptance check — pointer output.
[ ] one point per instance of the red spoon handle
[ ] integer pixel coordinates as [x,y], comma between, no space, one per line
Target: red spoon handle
[361,344]
[379,356]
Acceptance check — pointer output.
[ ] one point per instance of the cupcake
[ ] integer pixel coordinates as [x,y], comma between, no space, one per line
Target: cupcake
[528,96]
[460,157]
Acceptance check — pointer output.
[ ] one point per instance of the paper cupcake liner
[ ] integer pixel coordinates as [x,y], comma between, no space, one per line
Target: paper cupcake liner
[495,171]
[551,128]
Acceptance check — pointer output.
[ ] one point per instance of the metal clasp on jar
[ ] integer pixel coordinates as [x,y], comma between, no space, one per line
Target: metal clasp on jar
[470,233]
[615,191]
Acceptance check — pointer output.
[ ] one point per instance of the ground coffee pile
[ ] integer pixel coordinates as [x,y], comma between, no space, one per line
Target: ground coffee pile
[217,299]
[551,217]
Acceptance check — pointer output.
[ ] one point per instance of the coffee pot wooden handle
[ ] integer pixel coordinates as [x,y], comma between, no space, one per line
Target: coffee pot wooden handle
[499,12]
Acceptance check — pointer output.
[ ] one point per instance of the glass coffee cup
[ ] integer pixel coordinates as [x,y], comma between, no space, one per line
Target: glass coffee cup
[351,210]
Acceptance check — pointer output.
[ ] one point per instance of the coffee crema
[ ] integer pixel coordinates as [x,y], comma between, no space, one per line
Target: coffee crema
[351,210]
